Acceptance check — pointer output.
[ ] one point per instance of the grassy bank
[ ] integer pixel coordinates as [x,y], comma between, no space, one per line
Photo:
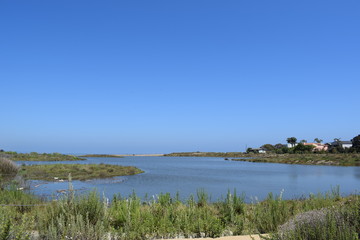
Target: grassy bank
[102,155]
[207,154]
[325,216]
[78,171]
[341,159]
[33,156]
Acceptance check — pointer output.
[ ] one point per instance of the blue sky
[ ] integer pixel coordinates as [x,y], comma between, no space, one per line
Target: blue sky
[165,76]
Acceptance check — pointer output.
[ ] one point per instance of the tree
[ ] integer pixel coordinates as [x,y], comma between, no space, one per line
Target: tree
[292,141]
[356,143]
[278,146]
[303,141]
[249,150]
[301,148]
[268,147]
[317,140]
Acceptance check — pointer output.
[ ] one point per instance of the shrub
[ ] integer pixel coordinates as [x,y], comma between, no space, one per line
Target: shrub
[318,225]
[8,167]
[73,217]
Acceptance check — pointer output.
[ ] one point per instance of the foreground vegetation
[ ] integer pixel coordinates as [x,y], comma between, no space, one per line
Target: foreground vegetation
[102,155]
[78,171]
[33,156]
[322,216]
[343,159]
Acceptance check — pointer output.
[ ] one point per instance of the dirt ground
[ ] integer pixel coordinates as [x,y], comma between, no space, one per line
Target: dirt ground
[244,237]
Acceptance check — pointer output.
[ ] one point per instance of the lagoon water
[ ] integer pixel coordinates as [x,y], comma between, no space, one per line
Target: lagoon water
[215,176]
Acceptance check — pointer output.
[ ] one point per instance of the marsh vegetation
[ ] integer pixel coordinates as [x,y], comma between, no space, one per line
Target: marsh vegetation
[341,159]
[34,156]
[328,216]
[78,171]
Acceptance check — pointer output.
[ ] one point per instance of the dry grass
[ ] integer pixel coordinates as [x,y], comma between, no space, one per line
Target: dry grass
[8,167]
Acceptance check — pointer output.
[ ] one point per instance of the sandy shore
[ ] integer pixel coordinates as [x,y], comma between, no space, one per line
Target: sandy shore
[140,155]
[243,237]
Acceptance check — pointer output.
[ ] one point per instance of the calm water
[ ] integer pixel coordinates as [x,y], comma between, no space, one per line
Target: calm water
[186,175]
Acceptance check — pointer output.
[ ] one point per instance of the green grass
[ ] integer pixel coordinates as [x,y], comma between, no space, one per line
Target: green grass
[33,156]
[91,217]
[341,159]
[78,171]
[102,155]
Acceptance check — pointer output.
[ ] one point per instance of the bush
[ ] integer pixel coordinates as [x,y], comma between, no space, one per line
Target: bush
[82,217]
[336,223]
[8,167]
[13,227]
[318,225]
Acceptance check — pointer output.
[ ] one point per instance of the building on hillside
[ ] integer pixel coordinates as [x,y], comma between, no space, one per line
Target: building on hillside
[290,145]
[318,146]
[343,144]
[259,150]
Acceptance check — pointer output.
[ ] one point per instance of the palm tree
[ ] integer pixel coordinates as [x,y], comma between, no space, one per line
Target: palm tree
[317,140]
[292,141]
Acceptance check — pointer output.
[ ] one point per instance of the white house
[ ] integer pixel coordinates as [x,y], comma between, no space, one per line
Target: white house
[289,145]
[343,144]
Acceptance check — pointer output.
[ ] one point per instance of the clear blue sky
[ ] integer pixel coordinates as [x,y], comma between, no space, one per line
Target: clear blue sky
[164,76]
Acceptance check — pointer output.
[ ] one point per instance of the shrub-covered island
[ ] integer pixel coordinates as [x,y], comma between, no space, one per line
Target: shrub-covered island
[78,171]
[34,156]
[343,159]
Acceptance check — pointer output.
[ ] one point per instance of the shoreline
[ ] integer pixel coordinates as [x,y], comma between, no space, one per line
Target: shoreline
[140,155]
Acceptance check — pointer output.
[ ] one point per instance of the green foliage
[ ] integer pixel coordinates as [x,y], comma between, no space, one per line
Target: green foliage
[292,140]
[33,156]
[14,227]
[165,217]
[78,171]
[340,159]
[268,147]
[271,213]
[250,150]
[83,217]
[341,222]
[91,217]
[16,221]
[356,144]
[301,148]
